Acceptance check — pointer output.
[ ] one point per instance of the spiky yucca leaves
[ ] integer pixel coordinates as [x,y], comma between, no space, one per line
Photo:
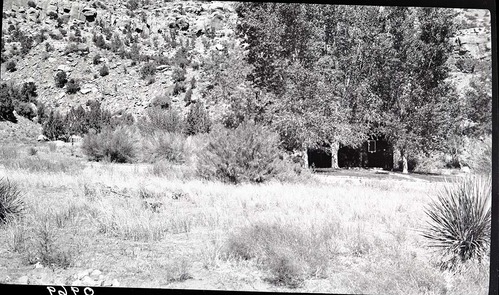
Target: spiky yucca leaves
[11,203]
[460,219]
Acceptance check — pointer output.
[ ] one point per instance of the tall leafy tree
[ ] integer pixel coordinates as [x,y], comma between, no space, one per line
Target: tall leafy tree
[417,103]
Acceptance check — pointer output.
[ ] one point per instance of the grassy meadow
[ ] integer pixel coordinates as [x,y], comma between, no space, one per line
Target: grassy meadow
[157,225]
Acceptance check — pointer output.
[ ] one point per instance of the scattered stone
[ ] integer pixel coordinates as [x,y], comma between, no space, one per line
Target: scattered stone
[95,274]
[87,281]
[219,47]
[64,68]
[23,280]
[41,137]
[85,90]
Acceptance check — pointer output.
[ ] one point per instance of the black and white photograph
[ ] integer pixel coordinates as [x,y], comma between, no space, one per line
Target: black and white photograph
[246,146]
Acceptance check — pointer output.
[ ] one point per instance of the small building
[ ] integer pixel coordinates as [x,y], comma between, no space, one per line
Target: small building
[376,152]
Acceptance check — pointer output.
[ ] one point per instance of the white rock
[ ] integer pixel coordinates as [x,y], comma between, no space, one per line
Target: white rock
[85,90]
[87,281]
[465,169]
[64,68]
[95,274]
[76,283]
[23,280]
[115,283]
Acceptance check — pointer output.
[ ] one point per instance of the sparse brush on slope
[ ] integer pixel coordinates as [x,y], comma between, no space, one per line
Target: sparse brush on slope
[460,219]
[11,203]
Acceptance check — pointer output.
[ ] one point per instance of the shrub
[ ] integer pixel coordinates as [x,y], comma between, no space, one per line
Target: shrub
[161,101]
[287,252]
[178,88]
[147,70]
[11,203]
[198,120]
[61,79]
[24,109]
[247,153]
[480,160]
[49,47]
[193,83]
[54,127]
[11,66]
[72,86]
[96,59]
[53,15]
[31,3]
[32,151]
[113,146]
[165,146]
[459,221]
[6,105]
[104,71]
[180,58]
[157,119]
[178,75]
[99,42]
[188,96]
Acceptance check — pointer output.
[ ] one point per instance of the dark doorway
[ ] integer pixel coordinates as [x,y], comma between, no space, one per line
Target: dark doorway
[374,153]
[319,157]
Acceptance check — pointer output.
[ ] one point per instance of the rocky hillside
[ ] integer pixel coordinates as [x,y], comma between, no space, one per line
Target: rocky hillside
[138,31]
[154,25]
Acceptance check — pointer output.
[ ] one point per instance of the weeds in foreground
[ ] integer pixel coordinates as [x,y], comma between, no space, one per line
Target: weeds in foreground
[290,254]
[460,218]
[178,271]
[42,240]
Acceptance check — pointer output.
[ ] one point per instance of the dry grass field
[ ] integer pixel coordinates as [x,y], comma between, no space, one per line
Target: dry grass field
[142,228]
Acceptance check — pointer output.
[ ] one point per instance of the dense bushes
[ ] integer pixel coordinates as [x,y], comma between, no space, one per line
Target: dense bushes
[148,70]
[22,100]
[72,86]
[79,121]
[116,145]
[11,66]
[247,153]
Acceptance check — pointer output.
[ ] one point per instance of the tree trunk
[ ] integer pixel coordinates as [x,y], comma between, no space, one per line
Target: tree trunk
[335,146]
[405,167]
[305,158]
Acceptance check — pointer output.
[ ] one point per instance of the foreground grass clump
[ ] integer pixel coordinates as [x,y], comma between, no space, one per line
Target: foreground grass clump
[248,153]
[116,145]
[290,254]
[11,203]
[40,239]
[460,221]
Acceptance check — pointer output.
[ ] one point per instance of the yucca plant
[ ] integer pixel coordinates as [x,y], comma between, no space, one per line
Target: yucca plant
[11,203]
[459,221]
